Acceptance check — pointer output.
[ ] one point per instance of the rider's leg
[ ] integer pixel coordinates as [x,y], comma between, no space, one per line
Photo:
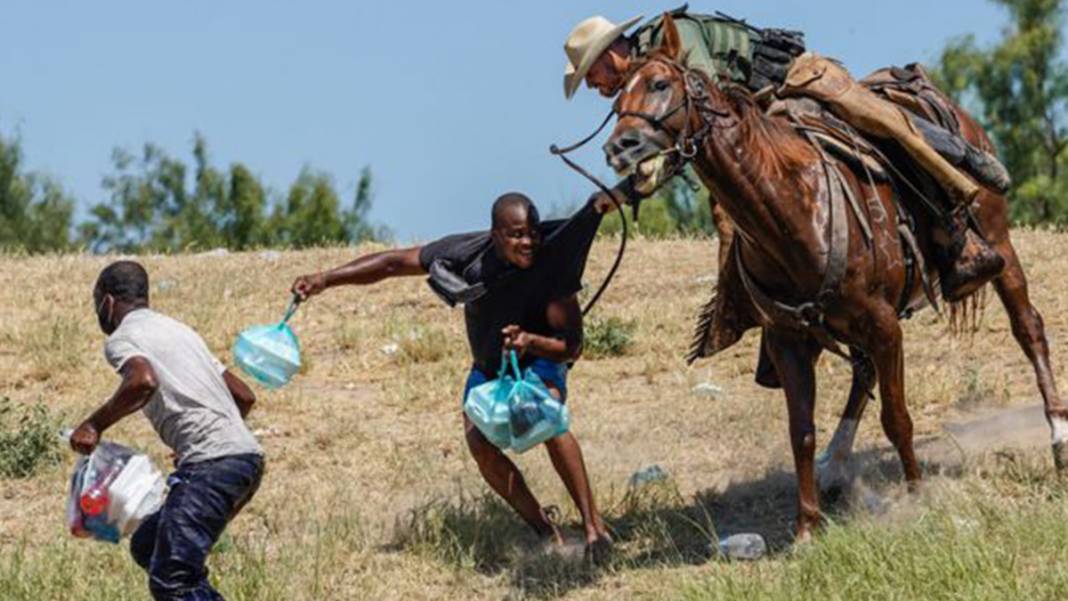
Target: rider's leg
[973,261]
[978,163]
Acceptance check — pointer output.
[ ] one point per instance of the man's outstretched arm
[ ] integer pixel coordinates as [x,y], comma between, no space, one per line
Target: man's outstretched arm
[367,269]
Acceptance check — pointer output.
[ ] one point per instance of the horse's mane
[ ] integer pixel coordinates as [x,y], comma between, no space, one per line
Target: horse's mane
[778,150]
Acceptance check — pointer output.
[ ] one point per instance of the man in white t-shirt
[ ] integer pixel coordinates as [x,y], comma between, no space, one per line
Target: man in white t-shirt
[197,407]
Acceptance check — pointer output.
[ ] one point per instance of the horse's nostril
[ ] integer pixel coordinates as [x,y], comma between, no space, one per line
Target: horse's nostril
[630,142]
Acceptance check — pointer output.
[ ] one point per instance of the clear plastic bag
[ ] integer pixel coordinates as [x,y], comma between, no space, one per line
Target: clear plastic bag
[111,491]
[516,410]
[270,354]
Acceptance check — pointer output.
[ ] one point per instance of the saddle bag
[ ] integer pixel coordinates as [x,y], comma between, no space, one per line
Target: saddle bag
[773,53]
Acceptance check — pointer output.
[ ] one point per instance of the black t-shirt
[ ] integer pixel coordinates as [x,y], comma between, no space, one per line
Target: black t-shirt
[515,296]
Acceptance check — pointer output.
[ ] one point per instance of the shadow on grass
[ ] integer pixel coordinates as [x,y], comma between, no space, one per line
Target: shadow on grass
[654,526]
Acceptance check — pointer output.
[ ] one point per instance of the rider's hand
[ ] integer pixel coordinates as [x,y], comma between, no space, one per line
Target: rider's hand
[515,339]
[602,203]
[85,438]
[307,286]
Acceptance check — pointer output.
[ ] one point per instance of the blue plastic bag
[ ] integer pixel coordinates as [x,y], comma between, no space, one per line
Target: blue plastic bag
[270,354]
[516,410]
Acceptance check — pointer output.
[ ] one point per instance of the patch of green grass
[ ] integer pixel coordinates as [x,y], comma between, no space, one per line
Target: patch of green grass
[611,337]
[947,552]
[28,439]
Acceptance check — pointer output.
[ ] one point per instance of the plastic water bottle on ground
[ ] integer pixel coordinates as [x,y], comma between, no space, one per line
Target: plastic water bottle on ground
[653,473]
[745,546]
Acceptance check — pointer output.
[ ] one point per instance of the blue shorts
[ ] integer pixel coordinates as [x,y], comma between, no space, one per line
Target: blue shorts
[549,371]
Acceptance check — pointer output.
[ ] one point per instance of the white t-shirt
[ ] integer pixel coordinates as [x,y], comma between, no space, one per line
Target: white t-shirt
[192,411]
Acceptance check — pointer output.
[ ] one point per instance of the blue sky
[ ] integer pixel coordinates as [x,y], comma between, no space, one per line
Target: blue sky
[450,103]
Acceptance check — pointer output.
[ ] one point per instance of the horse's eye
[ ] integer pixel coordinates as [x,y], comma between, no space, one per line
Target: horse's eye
[661,85]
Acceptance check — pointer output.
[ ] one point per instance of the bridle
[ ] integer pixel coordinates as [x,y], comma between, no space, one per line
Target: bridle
[695,98]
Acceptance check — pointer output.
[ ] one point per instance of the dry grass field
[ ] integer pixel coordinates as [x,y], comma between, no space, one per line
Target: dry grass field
[370,493]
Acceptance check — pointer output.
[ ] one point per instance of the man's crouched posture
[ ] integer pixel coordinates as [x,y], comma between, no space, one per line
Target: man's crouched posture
[197,407]
[518,295]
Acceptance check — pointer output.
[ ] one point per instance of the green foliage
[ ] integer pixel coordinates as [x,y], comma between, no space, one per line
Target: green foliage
[611,337]
[675,210]
[151,207]
[1019,90]
[28,439]
[35,212]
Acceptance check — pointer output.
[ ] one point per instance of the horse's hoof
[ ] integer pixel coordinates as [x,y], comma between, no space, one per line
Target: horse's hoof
[1060,456]
[803,539]
[833,476]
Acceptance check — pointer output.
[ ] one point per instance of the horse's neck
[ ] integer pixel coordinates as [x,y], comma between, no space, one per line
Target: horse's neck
[776,216]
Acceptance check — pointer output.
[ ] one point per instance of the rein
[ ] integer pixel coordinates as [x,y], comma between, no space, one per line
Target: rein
[562,153]
[694,97]
[686,145]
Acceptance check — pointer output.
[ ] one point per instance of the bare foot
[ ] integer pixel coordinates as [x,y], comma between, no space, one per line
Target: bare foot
[598,549]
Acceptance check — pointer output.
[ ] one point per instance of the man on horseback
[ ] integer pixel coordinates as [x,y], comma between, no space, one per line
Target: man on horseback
[773,63]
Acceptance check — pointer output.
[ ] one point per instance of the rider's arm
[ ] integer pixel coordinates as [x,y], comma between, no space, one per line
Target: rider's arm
[624,193]
[367,269]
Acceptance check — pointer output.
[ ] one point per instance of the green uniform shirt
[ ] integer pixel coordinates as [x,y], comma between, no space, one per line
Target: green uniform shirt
[714,46]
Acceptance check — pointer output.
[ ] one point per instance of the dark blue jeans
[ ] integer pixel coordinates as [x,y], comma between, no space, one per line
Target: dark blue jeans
[172,545]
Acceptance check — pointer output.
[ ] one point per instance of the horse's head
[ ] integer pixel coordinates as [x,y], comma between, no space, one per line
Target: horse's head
[654,110]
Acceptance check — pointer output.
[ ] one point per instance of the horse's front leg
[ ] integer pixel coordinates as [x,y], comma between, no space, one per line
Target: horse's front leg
[833,463]
[889,357]
[794,358]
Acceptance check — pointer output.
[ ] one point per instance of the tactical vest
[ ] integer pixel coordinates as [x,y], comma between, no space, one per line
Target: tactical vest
[738,52]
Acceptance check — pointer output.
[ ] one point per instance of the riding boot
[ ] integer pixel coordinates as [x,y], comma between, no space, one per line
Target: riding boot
[971,261]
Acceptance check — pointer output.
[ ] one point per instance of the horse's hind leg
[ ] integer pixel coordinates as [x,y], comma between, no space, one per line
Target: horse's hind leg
[833,464]
[1030,333]
[794,360]
[889,358]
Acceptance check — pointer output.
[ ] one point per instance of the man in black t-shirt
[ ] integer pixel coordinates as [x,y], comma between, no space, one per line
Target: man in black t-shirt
[519,285]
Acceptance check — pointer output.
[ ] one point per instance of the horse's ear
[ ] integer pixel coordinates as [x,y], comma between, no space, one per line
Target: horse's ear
[670,43]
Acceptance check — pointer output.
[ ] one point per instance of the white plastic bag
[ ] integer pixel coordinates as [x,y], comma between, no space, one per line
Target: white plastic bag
[111,491]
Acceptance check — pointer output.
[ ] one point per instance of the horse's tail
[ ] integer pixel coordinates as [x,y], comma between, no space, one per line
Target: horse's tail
[966,315]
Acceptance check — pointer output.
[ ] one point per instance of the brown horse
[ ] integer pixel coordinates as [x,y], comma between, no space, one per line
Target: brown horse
[778,192]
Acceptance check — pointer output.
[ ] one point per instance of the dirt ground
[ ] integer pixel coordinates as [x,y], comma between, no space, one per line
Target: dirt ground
[368,437]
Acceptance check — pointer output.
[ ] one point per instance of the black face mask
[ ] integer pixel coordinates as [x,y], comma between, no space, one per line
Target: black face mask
[106,321]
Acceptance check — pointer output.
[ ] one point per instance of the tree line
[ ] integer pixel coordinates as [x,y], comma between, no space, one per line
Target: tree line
[157,202]
[1017,88]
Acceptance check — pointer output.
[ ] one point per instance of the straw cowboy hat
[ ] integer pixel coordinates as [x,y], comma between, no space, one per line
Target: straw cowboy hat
[585,43]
